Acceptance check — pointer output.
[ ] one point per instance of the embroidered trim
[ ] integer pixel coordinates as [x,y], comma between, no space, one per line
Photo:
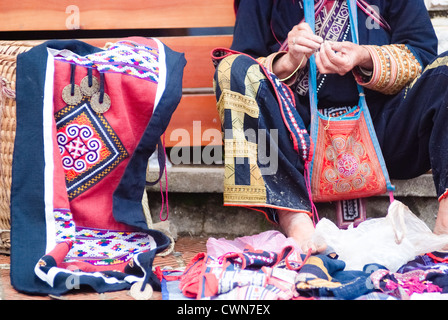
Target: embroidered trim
[394,66]
[98,247]
[238,150]
[238,102]
[64,225]
[299,134]
[106,247]
[89,147]
[126,57]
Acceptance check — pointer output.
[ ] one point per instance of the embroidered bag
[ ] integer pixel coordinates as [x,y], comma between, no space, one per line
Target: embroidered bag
[347,160]
[88,119]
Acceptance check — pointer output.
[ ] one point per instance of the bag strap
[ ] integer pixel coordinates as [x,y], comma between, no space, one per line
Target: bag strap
[353,14]
[312,83]
[310,19]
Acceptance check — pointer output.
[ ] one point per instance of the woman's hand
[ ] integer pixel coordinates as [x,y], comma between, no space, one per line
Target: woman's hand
[342,57]
[302,43]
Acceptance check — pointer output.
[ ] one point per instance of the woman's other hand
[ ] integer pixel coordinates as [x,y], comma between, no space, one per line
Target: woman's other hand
[342,57]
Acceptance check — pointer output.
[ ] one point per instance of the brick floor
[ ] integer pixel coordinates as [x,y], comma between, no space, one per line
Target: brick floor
[184,250]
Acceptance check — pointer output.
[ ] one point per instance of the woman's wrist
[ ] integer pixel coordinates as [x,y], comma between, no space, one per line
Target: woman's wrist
[285,66]
[365,61]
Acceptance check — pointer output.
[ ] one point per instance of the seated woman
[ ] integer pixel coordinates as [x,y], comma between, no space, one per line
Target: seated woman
[396,63]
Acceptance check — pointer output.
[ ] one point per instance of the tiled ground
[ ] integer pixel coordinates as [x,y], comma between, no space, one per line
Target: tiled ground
[184,250]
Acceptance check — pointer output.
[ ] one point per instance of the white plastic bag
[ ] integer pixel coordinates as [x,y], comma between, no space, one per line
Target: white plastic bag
[391,241]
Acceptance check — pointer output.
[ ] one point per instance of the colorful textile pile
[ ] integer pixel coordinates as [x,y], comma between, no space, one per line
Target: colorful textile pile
[427,273]
[87,122]
[284,273]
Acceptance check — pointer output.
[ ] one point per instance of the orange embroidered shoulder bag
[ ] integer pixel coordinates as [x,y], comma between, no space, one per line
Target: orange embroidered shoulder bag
[347,160]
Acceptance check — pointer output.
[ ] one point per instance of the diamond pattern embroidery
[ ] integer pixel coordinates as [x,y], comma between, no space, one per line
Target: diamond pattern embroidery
[79,146]
[88,146]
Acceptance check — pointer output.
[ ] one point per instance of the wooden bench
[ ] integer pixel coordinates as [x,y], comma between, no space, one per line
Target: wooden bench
[172,21]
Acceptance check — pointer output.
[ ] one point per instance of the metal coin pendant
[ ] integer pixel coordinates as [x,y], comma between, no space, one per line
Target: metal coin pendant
[69,99]
[100,107]
[137,293]
[89,90]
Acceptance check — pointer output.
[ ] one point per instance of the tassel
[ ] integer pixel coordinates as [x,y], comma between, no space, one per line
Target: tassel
[72,78]
[90,76]
[391,196]
[166,186]
[101,99]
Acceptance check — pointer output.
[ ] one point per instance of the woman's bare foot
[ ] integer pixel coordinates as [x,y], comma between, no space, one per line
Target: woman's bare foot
[300,227]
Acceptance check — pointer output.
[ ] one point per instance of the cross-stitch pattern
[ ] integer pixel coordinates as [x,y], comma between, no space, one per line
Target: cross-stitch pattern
[88,146]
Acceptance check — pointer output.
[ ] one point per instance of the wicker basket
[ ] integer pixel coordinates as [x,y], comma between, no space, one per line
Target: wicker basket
[8,54]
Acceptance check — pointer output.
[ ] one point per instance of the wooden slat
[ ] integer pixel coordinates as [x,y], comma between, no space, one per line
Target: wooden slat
[199,70]
[195,115]
[114,14]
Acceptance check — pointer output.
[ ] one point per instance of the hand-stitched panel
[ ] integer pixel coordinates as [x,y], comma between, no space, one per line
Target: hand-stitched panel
[349,168]
[88,145]
[126,57]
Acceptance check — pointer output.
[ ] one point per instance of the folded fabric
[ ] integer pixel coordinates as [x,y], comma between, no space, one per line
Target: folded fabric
[435,264]
[271,240]
[404,285]
[259,274]
[324,276]
[252,274]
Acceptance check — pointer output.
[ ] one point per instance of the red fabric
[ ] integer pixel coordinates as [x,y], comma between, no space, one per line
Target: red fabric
[437,259]
[348,167]
[189,281]
[60,252]
[88,267]
[211,284]
[93,208]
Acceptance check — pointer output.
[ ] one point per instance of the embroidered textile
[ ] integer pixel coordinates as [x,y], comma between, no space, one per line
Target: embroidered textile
[251,151]
[87,221]
[394,66]
[252,275]
[347,162]
[403,285]
[235,276]
[347,165]
[96,246]
[269,275]
[88,146]
[405,123]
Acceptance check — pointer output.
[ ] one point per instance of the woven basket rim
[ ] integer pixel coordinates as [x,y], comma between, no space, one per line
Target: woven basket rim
[7,57]
[21,43]
[9,50]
